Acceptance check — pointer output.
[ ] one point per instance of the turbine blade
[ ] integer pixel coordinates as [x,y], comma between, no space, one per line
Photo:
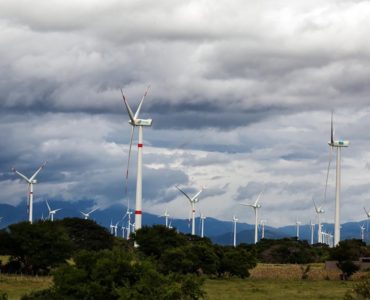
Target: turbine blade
[48,206]
[184,193]
[332,130]
[92,210]
[38,171]
[327,172]
[197,195]
[21,175]
[367,213]
[314,203]
[251,205]
[129,111]
[141,103]
[258,198]
[129,156]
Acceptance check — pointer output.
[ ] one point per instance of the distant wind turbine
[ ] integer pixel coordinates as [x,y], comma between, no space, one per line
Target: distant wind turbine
[87,215]
[202,218]
[318,211]
[338,144]
[297,228]
[263,222]
[235,220]
[51,212]
[312,227]
[140,123]
[362,227]
[166,216]
[192,201]
[255,207]
[31,181]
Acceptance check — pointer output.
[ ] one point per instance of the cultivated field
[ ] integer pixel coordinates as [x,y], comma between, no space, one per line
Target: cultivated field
[273,282]
[267,282]
[16,286]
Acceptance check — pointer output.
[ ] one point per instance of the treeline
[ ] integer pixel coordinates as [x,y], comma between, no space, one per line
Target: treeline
[87,262]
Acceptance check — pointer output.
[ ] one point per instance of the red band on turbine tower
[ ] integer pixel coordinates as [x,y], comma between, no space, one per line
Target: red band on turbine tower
[193,210]
[140,145]
[137,212]
[31,193]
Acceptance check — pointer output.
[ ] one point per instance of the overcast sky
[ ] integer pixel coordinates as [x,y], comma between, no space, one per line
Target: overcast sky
[241,95]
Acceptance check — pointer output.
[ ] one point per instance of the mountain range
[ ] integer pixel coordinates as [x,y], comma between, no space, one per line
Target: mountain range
[218,231]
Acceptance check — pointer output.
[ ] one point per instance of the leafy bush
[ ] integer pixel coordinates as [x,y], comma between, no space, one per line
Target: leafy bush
[36,248]
[115,274]
[348,268]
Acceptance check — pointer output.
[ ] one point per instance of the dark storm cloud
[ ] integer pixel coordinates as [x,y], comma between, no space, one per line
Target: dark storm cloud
[241,98]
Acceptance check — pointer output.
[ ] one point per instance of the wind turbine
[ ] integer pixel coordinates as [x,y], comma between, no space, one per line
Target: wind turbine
[297,223]
[338,144]
[312,226]
[31,181]
[235,220]
[202,218]
[367,222]
[87,215]
[140,123]
[318,211]
[192,202]
[116,229]
[166,215]
[362,227]
[51,212]
[255,207]
[111,228]
[263,222]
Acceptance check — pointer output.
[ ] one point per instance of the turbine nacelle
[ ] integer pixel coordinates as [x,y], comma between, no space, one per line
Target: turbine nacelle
[141,122]
[339,143]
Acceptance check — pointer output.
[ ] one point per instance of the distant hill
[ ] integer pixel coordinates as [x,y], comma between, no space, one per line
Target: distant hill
[218,231]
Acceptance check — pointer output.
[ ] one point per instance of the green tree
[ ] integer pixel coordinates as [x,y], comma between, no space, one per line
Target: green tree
[349,250]
[116,274]
[153,240]
[348,268]
[87,235]
[236,261]
[38,247]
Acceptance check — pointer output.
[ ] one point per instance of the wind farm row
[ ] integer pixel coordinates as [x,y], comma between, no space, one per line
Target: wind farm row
[323,236]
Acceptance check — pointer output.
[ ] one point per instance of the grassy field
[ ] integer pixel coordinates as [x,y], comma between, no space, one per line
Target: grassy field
[272,282]
[267,282]
[259,289]
[16,286]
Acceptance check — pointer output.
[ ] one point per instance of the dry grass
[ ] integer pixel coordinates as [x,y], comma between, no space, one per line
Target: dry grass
[294,272]
[16,285]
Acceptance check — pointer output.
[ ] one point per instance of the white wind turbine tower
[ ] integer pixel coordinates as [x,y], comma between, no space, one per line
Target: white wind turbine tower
[31,181]
[235,220]
[192,202]
[87,215]
[116,229]
[51,212]
[367,222]
[255,207]
[202,218]
[263,222]
[297,228]
[338,144]
[140,123]
[318,211]
[166,216]
[111,228]
[362,227]
[312,226]
[128,232]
